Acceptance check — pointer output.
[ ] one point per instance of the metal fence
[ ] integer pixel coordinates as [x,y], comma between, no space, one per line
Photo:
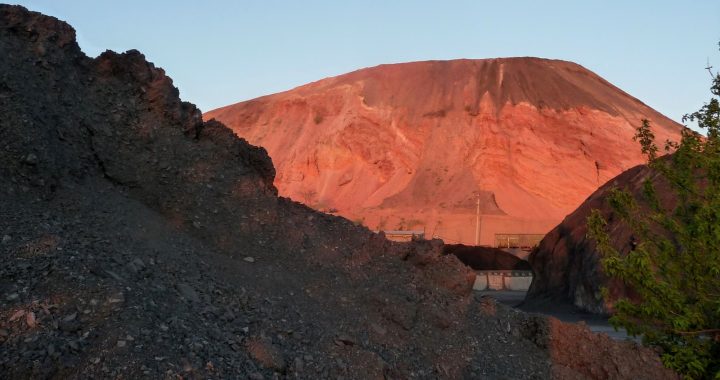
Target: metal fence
[525,241]
[404,235]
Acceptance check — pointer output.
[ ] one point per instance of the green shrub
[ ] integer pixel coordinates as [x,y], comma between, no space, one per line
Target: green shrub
[675,266]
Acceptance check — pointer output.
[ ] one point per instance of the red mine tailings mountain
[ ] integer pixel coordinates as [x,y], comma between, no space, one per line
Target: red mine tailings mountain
[414,145]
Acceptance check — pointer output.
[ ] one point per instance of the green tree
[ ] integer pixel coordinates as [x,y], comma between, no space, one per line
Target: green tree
[674,267]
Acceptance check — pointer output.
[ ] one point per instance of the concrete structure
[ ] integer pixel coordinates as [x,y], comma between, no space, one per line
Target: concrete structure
[481,282]
[518,283]
[502,280]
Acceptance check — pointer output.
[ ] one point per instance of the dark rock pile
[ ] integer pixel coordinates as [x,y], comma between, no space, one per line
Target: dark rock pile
[485,258]
[137,241]
[566,263]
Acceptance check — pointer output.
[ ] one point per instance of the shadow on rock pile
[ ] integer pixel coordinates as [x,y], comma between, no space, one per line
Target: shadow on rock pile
[566,263]
[138,241]
[485,258]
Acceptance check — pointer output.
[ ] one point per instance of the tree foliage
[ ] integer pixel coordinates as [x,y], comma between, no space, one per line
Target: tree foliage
[674,265]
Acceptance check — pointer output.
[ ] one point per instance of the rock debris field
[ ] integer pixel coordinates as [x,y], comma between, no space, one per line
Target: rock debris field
[139,241]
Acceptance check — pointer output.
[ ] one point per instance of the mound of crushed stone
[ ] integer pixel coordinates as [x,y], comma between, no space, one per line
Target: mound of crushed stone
[137,241]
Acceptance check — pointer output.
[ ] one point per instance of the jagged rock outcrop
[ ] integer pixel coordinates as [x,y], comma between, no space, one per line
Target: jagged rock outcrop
[416,145]
[138,241]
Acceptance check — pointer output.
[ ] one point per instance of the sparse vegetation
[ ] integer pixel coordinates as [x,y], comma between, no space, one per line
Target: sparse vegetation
[471,110]
[382,224]
[408,224]
[308,196]
[675,265]
[411,223]
[318,118]
[439,113]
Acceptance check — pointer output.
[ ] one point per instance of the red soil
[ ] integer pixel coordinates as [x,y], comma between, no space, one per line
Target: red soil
[411,146]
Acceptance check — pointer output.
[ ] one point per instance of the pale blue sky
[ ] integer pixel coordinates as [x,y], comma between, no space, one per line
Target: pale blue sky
[222,52]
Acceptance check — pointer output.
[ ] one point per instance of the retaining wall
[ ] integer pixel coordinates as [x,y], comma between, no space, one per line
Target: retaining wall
[502,280]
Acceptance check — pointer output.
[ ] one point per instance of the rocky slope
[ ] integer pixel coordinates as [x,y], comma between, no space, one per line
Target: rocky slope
[566,262]
[416,145]
[137,241]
